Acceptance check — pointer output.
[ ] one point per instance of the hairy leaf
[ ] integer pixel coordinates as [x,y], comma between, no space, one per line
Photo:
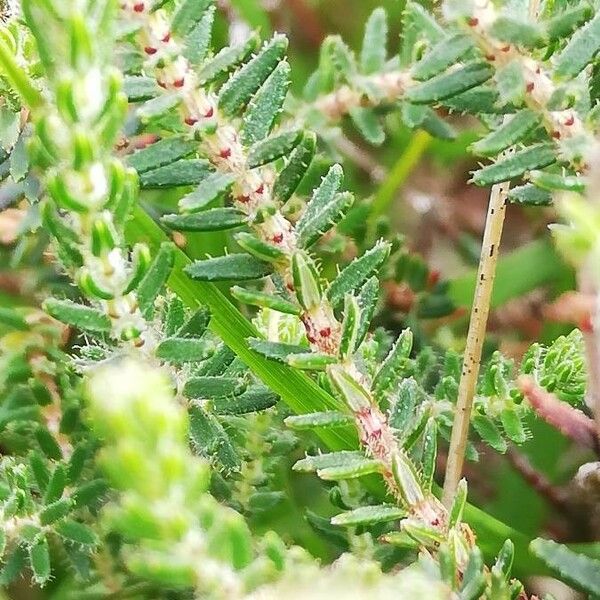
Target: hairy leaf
[212,187]
[442,56]
[513,130]
[516,165]
[450,83]
[291,175]
[357,272]
[273,147]
[266,104]
[240,87]
[580,49]
[214,219]
[369,515]
[236,267]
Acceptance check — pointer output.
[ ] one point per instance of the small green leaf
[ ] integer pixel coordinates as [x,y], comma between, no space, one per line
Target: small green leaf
[458,504]
[505,558]
[39,559]
[197,41]
[351,391]
[516,31]
[418,26]
[443,55]
[325,208]
[12,565]
[510,83]
[76,532]
[513,426]
[577,570]
[211,188]
[196,325]
[226,60]
[357,272]
[255,399]
[236,267]
[429,454]
[138,88]
[368,296]
[275,350]
[450,84]
[40,470]
[310,360]
[214,219]
[394,365]
[566,22]
[367,122]
[529,195]
[403,403]
[291,175]
[156,107]
[534,157]
[351,470]
[373,51]
[213,387]
[77,315]
[55,511]
[369,515]
[310,464]
[19,157]
[330,418]
[337,63]
[13,319]
[266,104]
[489,432]
[243,84]
[581,48]
[155,278]
[273,147]
[350,326]
[161,153]
[513,130]
[210,439]
[259,248]
[179,173]
[188,15]
[272,301]
[180,350]
[482,99]
[306,279]
[56,485]
[554,181]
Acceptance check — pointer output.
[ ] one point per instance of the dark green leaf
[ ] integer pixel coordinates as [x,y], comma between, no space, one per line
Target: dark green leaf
[214,219]
[77,315]
[446,53]
[161,153]
[179,173]
[236,267]
[516,165]
[357,272]
[243,84]
[450,84]
[266,104]
[291,175]
[273,147]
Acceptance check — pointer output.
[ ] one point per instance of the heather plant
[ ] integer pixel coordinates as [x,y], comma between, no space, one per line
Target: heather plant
[212,316]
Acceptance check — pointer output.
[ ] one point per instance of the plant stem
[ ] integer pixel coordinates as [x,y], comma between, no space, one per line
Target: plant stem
[400,171]
[586,278]
[477,326]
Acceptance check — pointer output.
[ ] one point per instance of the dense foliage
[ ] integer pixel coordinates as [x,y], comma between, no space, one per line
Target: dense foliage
[225,375]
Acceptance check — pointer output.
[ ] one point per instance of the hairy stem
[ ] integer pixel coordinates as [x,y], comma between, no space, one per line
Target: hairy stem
[476,334]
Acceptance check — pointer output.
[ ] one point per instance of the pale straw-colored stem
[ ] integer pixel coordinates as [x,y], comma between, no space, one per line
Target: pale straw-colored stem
[477,327]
